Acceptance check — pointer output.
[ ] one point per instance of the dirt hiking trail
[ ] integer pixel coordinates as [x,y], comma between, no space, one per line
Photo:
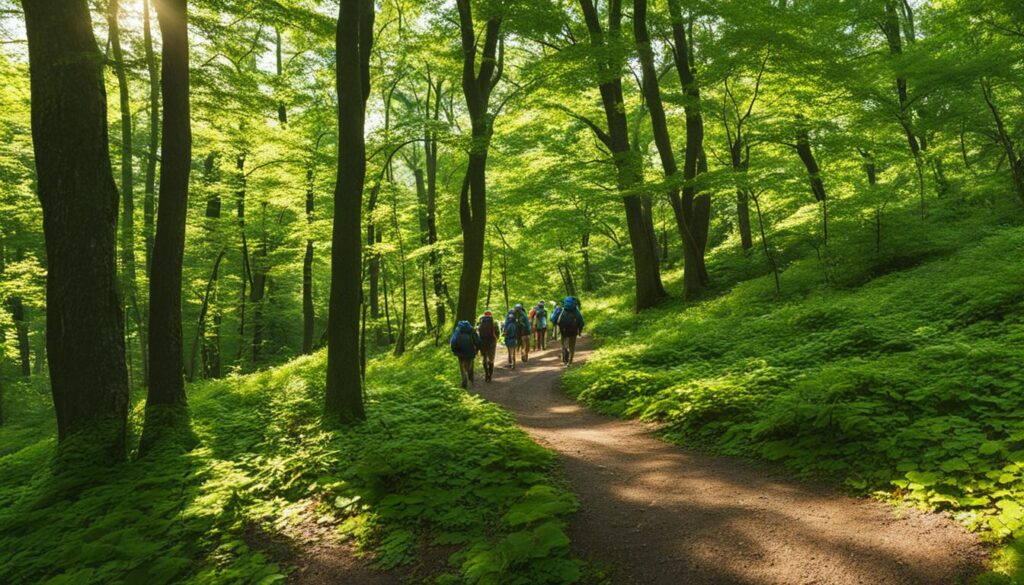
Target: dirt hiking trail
[652,512]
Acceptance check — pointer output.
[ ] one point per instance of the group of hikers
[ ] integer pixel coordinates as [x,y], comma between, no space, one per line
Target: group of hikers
[518,332]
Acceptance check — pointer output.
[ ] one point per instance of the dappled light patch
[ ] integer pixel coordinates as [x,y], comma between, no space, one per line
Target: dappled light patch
[908,387]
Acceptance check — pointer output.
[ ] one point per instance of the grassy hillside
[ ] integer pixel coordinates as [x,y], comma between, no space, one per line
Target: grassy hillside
[431,467]
[896,372]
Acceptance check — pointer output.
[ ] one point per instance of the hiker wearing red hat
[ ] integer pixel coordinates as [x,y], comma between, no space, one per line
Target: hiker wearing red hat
[488,331]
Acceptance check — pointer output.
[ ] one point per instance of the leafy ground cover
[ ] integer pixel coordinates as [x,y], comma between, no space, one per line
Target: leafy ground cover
[897,375]
[431,467]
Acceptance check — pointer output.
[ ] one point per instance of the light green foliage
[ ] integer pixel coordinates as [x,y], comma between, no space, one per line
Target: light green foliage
[906,385]
[431,466]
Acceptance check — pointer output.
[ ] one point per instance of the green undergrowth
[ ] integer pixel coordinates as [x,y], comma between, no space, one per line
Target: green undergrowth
[903,381]
[433,471]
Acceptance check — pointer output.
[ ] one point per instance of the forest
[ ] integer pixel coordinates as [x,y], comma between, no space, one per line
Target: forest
[239,239]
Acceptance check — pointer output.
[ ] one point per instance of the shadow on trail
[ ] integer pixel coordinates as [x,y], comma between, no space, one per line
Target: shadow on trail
[655,513]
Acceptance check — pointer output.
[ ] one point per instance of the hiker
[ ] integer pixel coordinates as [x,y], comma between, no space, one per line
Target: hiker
[523,334]
[539,320]
[488,331]
[509,330]
[570,323]
[554,330]
[465,344]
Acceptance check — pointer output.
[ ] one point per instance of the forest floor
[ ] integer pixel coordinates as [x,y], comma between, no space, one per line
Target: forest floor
[652,512]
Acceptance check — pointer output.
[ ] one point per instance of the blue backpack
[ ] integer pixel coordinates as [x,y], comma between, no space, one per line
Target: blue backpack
[462,339]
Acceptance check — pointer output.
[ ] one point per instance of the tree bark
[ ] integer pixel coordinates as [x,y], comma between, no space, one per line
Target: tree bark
[1005,140]
[806,154]
[649,289]
[85,323]
[149,202]
[344,394]
[167,383]
[128,277]
[308,316]
[441,295]
[282,112]
[204,310]
[476,86]
[696,207]
[692,256]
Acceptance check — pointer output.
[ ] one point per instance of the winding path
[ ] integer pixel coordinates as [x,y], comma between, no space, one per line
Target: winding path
[655,513]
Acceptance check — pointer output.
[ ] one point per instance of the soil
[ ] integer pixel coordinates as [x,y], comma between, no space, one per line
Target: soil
[652,512]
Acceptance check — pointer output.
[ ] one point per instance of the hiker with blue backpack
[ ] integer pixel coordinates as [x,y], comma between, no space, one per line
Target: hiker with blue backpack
[570,324]
[465,344]
[510,335]
[489,333]
[539,319]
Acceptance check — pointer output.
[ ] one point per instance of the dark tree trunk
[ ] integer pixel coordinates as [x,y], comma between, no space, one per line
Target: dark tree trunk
[246,268]
[696,208]
[282,112]
[441,296]
[21,330]
[372,239]
[128,277]
[649,289]
[258,293]
[167,383]
[421,199]
[764,243]
[476,86]
[390,336]
[692,257]
[1015,161]
[806,154]
[344,394]
[918,144]
[149,202]
[213,202]
[307,273]
[204,309]
[85,323]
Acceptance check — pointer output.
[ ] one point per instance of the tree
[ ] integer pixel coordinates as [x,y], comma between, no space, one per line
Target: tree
[477,84]
[353,44]
[85,326]
[167,382]
[649,289]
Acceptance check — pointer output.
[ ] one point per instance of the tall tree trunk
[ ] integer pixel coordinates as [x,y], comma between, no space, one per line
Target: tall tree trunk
[806,154]
[649,289]
[1005,140]
[421,199]
[307,273]
[693,282]
[85,323]
[400,342]
[128,277]
[17,307]
[149,202]
[344,394]
[696,207]
[167,382]
[372,239]
[204,309]
[246,267]
[282,112]
[892,30]
[258,292]
[441,295]
[476,86]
